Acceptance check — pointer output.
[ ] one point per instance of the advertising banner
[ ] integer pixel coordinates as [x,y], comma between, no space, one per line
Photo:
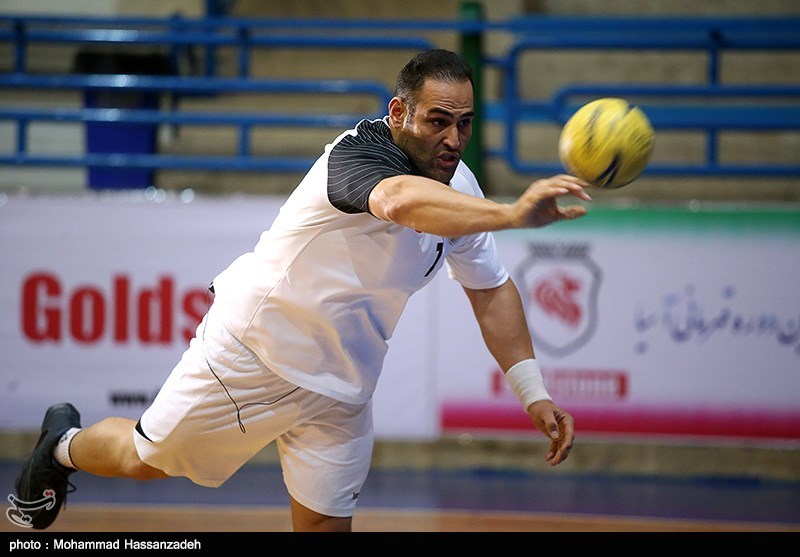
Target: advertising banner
[664,322]
[103,292]
[645,321]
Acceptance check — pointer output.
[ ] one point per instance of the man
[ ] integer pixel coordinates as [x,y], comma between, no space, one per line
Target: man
[291,348]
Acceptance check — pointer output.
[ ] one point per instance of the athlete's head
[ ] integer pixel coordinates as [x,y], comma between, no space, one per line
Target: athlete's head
[432,110]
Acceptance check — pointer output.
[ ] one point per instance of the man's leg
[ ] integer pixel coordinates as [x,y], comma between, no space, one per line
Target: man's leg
[107,449]
[104,449]
[306,520]
[325,462]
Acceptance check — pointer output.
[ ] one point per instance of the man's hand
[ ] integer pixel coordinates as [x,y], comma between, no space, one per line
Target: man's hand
[538,206]
[558,425]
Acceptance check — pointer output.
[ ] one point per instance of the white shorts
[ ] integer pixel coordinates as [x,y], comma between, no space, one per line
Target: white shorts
[205,425]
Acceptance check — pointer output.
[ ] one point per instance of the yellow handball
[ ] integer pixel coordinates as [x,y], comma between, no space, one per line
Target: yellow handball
[607,142]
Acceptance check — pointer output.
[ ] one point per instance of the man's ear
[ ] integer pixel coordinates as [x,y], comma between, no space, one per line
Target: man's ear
[397,112]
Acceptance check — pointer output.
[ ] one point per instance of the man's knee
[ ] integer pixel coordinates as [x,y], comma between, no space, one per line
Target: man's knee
[138,470]
[113,435]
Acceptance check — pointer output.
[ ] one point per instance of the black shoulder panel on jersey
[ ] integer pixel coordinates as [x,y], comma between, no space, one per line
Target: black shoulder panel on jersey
[358,162]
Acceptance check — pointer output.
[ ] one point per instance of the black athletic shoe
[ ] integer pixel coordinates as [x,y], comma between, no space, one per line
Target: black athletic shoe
[43,484]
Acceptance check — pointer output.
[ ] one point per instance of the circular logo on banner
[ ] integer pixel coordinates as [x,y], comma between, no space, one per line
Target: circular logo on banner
[559,284]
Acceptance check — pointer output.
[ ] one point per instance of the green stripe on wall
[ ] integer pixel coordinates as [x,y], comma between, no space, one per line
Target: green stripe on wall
[683,220]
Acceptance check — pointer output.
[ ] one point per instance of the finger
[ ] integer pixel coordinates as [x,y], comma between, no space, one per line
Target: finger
[573,211]
[558,458]
[576,187]
[554,456]
[560,180]
[574,179]
[558,453]
[553,431]
[563,185]
[581,193]
[571,180]
[561,446]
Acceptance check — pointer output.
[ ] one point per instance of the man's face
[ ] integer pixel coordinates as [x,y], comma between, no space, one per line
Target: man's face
[435,134]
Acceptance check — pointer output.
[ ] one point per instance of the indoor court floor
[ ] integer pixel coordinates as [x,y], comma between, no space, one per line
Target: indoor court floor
[254,500]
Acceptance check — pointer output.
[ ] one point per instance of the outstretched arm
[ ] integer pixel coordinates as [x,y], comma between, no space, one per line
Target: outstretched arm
[504,327]
[430,206]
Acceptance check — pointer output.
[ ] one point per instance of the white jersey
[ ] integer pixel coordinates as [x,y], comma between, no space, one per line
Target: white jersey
[321,293]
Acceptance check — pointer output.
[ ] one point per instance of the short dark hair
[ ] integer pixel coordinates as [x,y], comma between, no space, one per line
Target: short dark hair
[435,63]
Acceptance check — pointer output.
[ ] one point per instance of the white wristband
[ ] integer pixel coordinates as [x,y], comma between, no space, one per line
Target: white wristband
[525,379]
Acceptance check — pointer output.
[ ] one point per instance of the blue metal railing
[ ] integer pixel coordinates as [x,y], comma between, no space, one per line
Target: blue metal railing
[708,107]
[712,109]
[244,34]
[243,122]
